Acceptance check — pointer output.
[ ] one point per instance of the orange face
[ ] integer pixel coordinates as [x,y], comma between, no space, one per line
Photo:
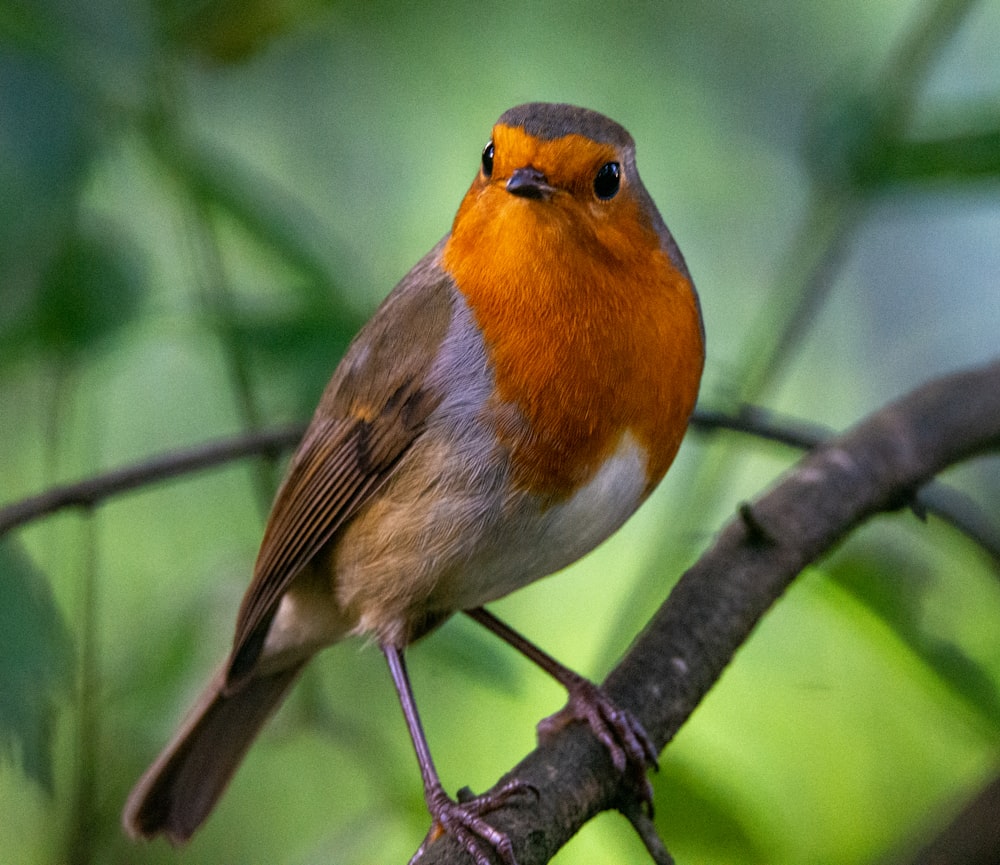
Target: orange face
[592,329]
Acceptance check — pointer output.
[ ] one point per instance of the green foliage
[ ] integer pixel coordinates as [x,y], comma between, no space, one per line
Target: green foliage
[37,670]
[85,295]
[45,142]
[897,584]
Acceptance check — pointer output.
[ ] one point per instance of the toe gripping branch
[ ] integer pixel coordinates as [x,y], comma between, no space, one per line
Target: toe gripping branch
[628,745]
[464,819]
[631,749]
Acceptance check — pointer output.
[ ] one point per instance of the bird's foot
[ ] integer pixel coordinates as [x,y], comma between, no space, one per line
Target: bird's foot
[628,744]
[464,821]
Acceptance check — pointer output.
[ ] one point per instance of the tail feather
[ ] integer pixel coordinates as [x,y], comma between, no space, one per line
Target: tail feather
[179,790]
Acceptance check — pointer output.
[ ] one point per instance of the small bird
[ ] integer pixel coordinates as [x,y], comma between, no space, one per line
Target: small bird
[511,403]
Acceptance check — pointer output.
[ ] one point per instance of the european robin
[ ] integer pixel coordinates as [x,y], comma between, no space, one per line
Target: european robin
[511,403]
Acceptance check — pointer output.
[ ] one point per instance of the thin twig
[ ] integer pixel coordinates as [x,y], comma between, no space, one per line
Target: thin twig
[93,491]
[948,504]
[646,830]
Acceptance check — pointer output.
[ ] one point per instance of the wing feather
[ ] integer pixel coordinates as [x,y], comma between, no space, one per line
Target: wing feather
[371,413]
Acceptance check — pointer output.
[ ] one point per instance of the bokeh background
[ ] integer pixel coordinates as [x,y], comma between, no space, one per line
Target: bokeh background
[201,200]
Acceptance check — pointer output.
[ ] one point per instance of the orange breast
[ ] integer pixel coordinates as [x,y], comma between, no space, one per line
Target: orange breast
[591,330]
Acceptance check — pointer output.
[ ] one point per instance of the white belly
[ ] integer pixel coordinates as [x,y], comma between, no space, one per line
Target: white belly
[535,544]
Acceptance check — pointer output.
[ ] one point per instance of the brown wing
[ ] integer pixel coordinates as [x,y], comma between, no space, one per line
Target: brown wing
[373,409]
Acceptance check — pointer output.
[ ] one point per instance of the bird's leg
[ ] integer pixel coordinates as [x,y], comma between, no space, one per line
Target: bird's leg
[463,820]
[628,744]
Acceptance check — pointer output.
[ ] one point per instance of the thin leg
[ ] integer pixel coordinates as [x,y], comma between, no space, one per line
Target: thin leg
[463,820]
[561,673]
[627,742]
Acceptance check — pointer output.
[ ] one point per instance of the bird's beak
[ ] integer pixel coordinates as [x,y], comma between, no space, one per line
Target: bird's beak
[529,183]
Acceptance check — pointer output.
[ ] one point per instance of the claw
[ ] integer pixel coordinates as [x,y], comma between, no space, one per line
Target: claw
[628,744]
[463,820]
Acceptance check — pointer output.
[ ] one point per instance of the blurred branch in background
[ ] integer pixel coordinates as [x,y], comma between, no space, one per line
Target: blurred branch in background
[938,499]
[848,153]
[90,493]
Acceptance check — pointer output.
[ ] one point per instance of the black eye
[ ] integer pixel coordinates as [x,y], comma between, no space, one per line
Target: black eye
[488,159]
[607,181]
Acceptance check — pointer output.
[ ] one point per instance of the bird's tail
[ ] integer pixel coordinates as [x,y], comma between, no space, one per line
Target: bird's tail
[179,790]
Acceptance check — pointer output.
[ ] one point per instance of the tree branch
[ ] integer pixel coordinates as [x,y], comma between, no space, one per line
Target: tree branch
[878,466]
[951,505]
[92,491]
[947,503]
[875,467]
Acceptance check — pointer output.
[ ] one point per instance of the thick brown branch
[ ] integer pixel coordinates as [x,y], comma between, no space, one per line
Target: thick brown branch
[875,467]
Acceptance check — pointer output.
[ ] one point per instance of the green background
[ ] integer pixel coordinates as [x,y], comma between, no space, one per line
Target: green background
[199,204]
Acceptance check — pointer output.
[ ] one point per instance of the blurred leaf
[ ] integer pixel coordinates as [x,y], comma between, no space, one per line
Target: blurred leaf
[307,333]
[21,23]
[699,822]
[854,134]
[307,343]
[63,284]
[44,152]
[230,31]
[971,156]
[37,664]
[264,212]
[89,291]
[894,584]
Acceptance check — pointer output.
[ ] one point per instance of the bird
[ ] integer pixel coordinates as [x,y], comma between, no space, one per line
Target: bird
[509,405]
